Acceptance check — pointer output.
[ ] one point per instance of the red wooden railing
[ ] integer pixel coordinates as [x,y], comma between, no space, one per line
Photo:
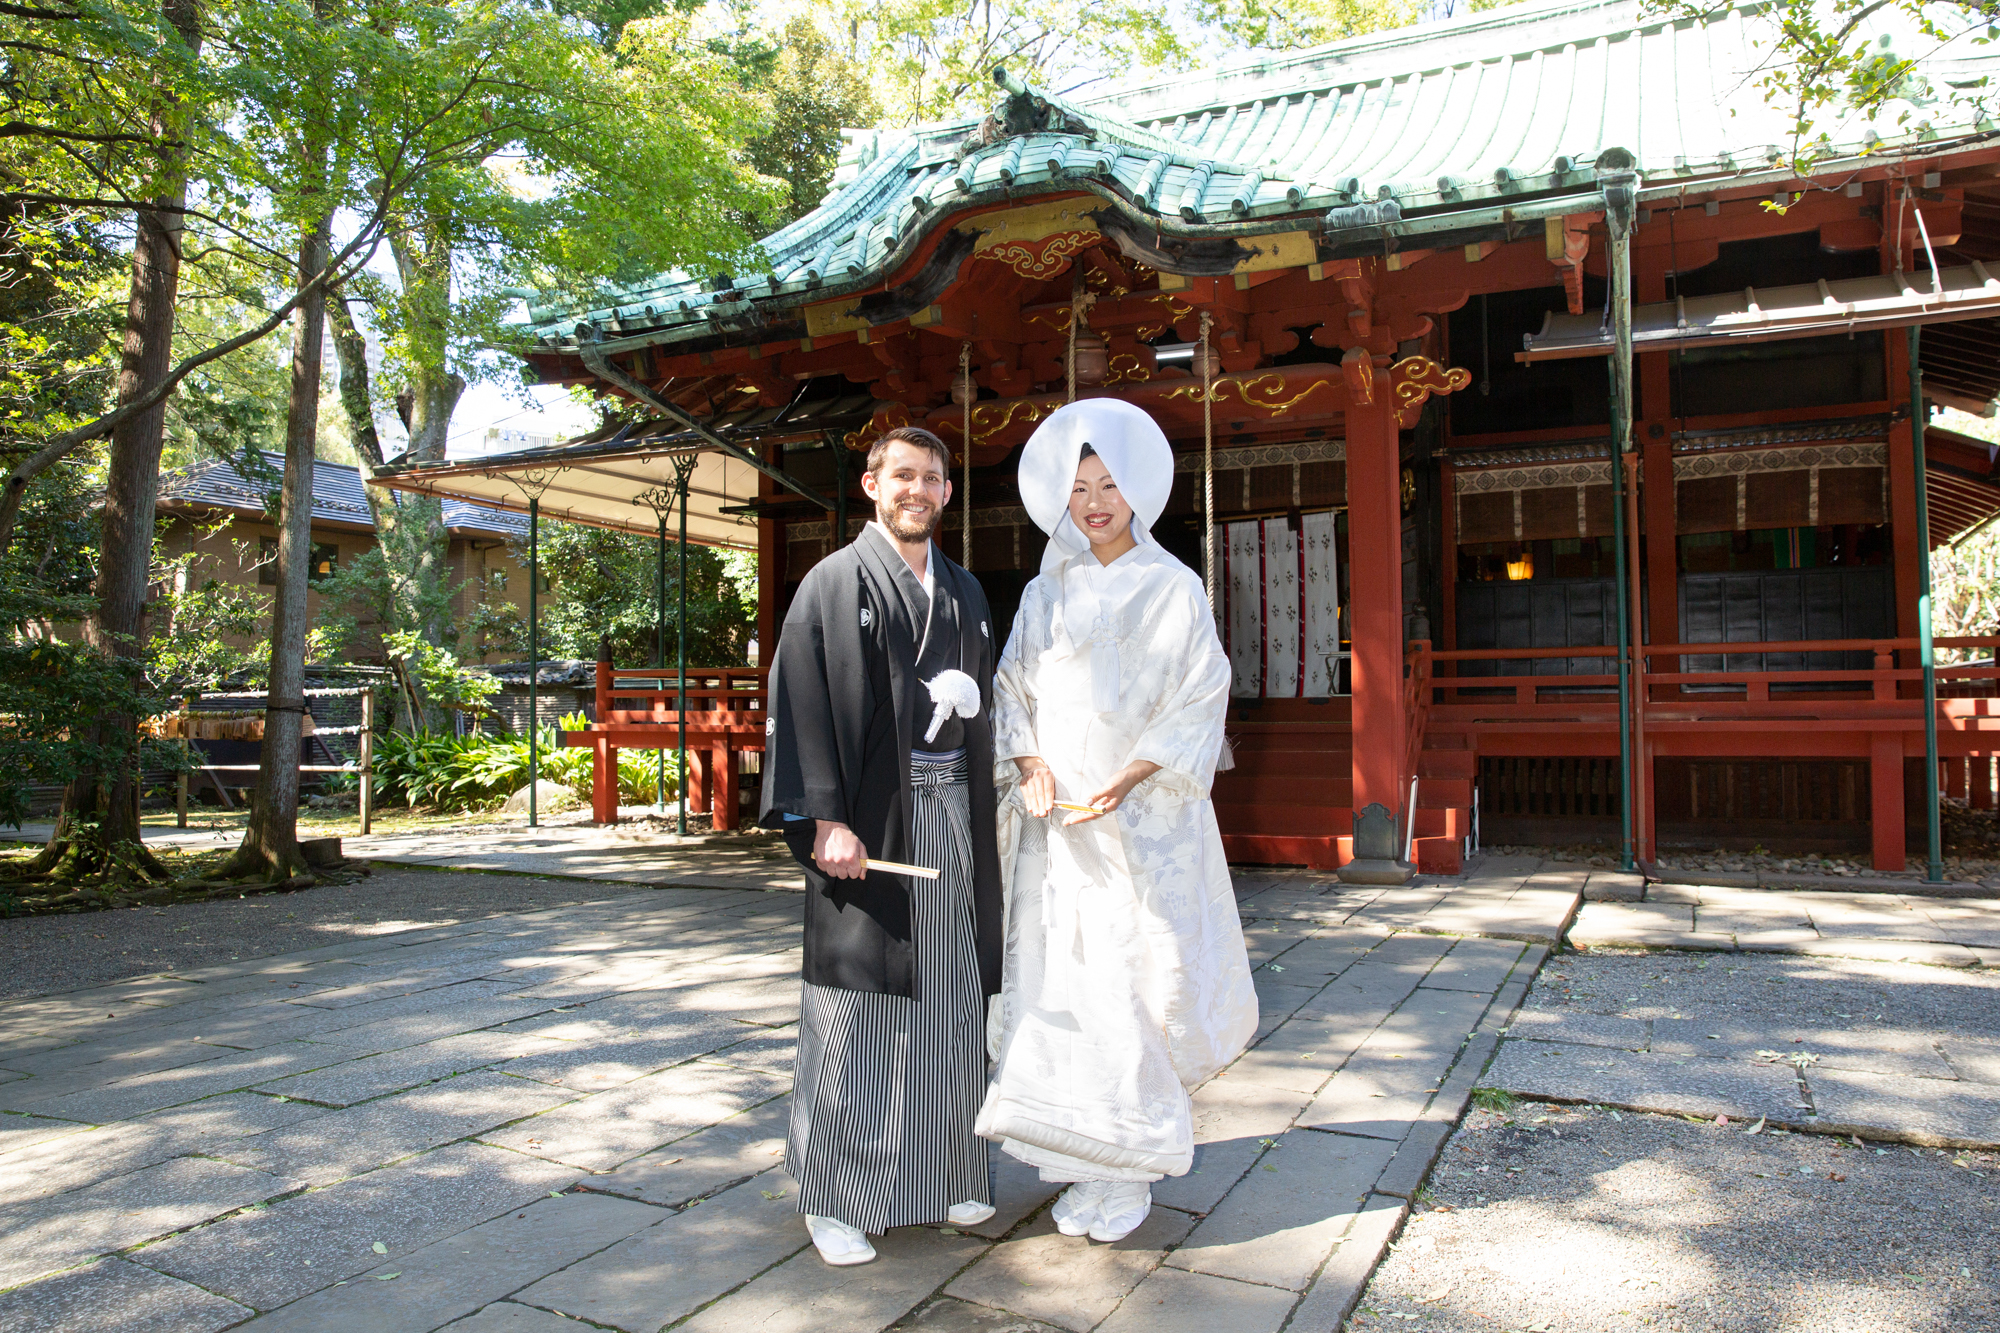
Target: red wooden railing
[1879,682]
[724,719]
[719,688]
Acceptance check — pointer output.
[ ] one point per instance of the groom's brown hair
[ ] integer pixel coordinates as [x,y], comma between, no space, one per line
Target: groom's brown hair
[916,435]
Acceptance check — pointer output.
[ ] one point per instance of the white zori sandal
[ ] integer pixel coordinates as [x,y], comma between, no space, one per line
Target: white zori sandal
[1076,1211]
[1120,1209]
[838,1243]
[968,1214]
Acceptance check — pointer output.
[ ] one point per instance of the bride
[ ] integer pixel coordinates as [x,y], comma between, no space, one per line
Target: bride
[1126,983]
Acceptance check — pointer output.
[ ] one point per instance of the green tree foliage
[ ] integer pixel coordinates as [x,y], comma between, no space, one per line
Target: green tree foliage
[603,582]
[931,59]
[1824,59]
[813,90]
[1263,25]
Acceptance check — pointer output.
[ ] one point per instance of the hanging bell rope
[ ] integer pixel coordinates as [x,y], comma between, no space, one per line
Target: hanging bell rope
[1077,303]
[967,392]
[1207,460]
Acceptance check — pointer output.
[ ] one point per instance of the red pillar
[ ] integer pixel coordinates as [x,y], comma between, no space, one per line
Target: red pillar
[604,781]
[722,769]
[1885,798]
[1375,612]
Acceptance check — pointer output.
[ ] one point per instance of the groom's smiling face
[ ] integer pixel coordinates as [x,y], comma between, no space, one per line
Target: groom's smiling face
[910,491]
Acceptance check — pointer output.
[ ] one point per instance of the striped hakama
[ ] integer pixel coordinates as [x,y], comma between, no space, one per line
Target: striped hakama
[887,1088]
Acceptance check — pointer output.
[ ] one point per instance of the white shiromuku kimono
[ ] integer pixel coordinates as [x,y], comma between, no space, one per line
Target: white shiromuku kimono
[1126,982]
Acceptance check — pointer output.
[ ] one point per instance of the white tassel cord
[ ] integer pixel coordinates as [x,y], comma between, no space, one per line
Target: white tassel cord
[952,692]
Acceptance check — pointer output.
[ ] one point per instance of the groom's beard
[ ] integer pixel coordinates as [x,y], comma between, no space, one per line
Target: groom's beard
[906,526]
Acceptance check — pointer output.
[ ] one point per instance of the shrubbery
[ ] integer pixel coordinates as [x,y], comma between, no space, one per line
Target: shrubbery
[474,772]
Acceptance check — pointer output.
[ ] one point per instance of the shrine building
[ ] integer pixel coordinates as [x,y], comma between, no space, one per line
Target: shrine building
[1367,290]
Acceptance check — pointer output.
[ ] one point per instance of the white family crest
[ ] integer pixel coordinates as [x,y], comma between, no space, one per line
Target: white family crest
[867,617]
[984,633]
[770,726]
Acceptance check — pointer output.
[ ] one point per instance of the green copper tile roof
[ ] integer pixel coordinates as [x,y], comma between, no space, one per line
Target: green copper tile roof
[1503,107]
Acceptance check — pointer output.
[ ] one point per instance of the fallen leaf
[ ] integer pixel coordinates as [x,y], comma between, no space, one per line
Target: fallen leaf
[387,1277]
[1722,1120]
[379,1248]
[555,1194]
[1757,1128]
[1835,1176]
[1434,1296]
[772,1194]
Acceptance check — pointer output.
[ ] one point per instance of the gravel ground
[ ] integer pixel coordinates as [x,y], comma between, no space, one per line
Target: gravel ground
[43,954]
[1581,1220]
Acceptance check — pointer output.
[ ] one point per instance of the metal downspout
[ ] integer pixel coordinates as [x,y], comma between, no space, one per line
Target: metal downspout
[1620,183]
[594,357]
[1926,652]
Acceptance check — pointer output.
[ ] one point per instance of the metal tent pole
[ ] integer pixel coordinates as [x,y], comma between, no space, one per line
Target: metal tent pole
[683,474]
[534,653]
[660,652]
[1620,184]
[1926,651]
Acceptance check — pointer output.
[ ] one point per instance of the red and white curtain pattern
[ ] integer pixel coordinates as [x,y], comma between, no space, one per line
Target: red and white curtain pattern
[1278,606]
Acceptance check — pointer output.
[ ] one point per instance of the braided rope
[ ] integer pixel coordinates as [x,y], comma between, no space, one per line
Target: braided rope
[965,376]
[1207,461]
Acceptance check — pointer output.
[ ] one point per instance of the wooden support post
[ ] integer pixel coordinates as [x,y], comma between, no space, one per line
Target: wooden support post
[187,747]
[1980,781]
[367,758]
[696,796]
[722,803]
[1885,799]
[1375,562]
[604,781]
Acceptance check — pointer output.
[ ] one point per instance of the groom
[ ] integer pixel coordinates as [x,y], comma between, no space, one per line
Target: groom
[859,763]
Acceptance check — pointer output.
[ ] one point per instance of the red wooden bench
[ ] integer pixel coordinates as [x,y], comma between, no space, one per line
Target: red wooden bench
[725,718]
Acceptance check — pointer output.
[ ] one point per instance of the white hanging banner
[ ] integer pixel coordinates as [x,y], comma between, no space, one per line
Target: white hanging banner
[1281,609]
[1246,610]
[1321,627]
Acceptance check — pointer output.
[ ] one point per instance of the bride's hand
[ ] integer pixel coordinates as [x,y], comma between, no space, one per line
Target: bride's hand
[1038,786]
[1114,795]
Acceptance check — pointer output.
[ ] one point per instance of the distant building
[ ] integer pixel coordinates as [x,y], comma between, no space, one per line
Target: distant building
[481,568]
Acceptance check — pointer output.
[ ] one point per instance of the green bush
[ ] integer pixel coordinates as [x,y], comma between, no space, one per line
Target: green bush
[470,772]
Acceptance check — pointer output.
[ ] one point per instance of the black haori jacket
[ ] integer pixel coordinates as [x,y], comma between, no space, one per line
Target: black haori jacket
[837,746]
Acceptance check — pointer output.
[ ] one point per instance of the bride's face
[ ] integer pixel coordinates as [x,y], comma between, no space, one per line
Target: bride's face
[1096,506]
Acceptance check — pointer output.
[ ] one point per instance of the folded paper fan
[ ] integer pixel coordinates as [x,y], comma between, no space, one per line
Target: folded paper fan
[952,692]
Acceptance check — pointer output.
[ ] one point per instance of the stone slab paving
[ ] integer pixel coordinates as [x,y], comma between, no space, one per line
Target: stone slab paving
[1958,931]
[1893,1052]
[522,1121]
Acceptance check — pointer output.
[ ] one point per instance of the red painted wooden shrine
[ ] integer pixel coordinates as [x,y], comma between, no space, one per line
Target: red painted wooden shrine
[1411,460]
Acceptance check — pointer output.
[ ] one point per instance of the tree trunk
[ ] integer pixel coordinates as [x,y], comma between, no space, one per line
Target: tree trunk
[270,842]
[117,628]
[409,529]
[423,264]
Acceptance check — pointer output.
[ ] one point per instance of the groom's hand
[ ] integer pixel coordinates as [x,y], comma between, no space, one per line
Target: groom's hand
[838,852]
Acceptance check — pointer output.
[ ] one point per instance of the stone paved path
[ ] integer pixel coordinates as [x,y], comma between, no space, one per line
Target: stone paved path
[522,1121]
[634,853]
[1893,1052]
[577,1113]
[1951,932]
